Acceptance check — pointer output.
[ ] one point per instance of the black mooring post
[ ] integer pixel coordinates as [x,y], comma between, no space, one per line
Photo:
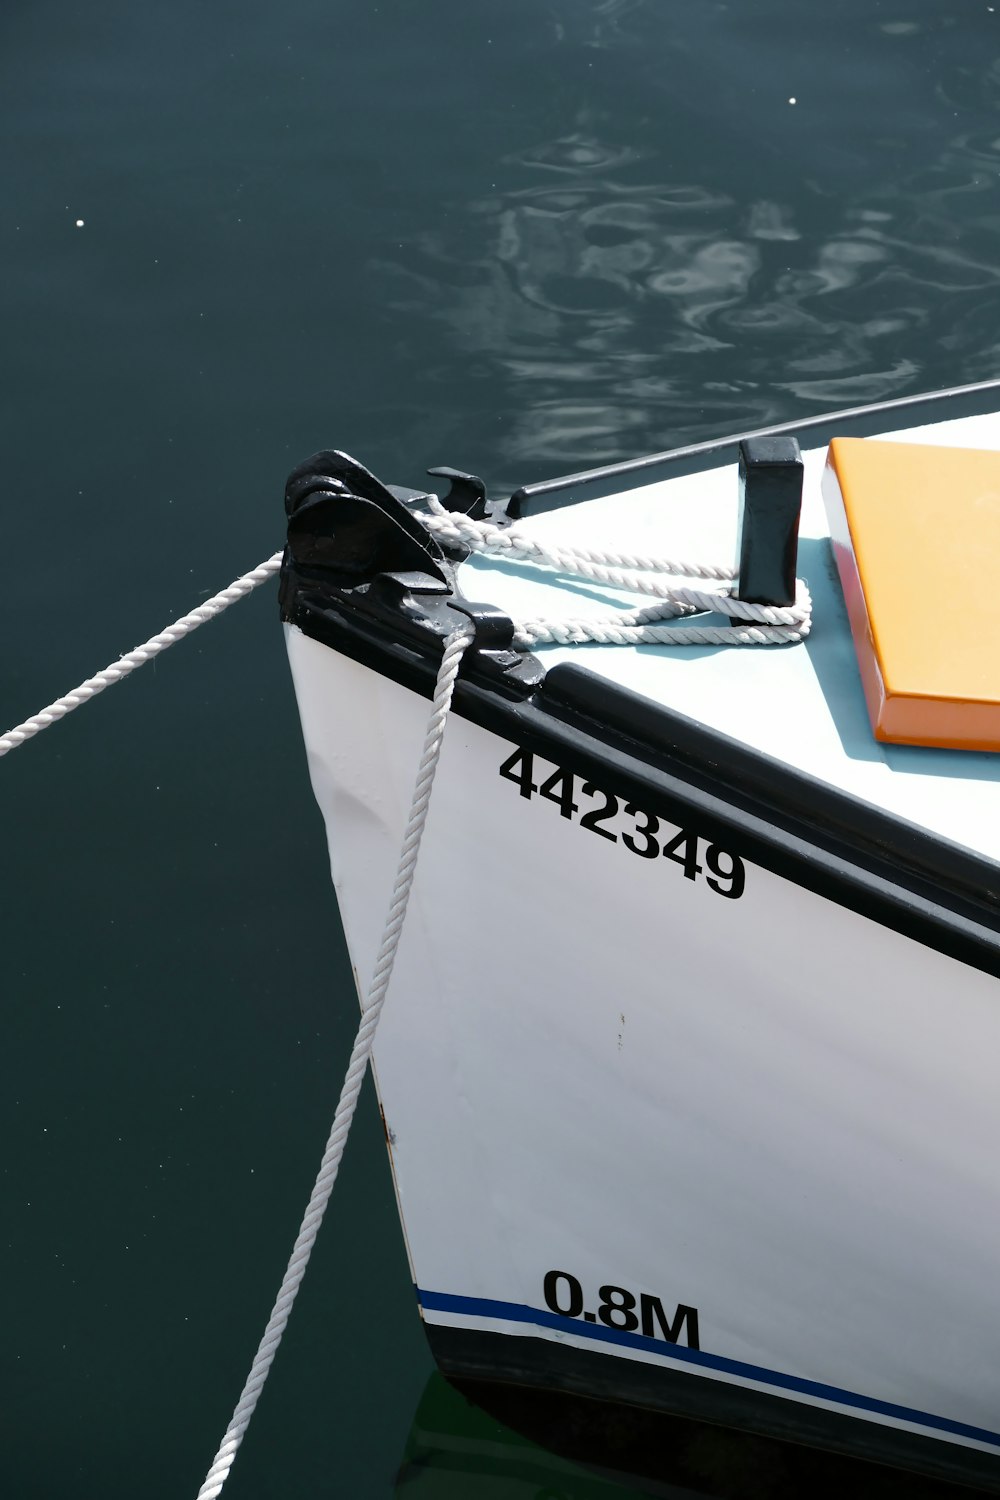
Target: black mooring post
[767,537]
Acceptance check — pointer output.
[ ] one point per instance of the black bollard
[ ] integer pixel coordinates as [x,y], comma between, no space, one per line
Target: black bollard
[767,536]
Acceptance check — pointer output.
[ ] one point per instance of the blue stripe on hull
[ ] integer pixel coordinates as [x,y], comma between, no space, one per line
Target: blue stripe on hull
[517,1312]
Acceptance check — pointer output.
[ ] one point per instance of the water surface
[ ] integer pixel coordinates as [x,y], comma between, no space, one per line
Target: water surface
[516,238]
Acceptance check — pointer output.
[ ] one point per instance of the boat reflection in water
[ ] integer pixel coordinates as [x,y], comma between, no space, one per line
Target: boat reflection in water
[509,1443]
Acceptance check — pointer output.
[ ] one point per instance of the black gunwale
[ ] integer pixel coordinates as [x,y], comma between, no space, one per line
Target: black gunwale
[977,399]
[941,894]
[870,862]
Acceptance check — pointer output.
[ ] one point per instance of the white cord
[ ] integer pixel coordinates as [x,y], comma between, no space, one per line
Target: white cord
[765,624]
[486,536]
[454,650]
[140,656]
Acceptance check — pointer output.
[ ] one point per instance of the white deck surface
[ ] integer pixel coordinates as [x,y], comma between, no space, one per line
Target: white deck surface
[801,704]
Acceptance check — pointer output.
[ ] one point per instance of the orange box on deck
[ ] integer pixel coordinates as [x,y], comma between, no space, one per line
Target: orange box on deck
[916,537]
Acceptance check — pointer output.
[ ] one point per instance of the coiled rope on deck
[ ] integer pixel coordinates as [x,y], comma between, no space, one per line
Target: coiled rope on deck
[751,624]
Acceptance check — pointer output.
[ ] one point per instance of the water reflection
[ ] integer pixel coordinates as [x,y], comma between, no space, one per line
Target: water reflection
[522,1445]
[639,304]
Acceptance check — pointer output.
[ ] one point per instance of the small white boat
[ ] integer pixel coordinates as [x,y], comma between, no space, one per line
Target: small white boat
[690,1068]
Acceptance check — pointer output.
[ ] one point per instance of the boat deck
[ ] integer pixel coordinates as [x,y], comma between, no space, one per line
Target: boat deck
[801,704]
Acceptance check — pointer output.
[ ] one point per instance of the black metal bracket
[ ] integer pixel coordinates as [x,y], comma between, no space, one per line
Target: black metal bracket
[494,630]
[345,521]
[467,493]
[359,560]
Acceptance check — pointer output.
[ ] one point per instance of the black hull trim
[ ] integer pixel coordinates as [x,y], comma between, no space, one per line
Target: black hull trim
[769,813]
[473,1357]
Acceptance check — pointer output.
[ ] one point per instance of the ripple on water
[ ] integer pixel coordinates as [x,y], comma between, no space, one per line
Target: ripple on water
[785,304]
[575,153]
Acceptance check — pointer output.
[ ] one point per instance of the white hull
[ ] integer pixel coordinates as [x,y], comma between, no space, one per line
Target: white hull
[772,1110]
[717,1132]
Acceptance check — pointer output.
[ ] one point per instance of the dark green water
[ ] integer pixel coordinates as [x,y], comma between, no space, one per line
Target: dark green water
[517,238]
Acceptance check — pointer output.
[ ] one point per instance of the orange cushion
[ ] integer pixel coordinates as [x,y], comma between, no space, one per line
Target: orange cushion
[916,536]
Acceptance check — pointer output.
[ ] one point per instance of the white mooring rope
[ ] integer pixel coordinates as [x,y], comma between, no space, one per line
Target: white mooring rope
[451,660]
[140,656]
[626,627]
[762,625]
